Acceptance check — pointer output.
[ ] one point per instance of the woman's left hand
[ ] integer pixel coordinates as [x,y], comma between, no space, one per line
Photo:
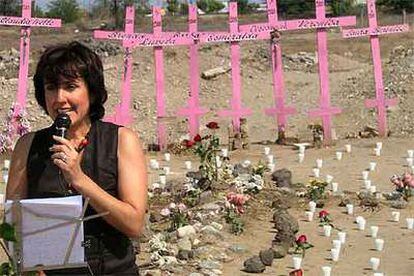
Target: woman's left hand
[67,159]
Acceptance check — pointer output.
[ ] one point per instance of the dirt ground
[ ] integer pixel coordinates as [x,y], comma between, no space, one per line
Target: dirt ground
[348,59]
[396,259]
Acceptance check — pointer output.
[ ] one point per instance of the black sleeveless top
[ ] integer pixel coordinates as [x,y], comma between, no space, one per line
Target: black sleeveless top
[107,250]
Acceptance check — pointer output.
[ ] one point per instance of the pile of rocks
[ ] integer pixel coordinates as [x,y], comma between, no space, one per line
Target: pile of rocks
[9,62]
[287,227]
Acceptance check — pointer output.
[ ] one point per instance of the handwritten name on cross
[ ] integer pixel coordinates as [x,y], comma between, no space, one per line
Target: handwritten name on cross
[373,31]
[193,110]
[237,111]
[122,111]
[26,22]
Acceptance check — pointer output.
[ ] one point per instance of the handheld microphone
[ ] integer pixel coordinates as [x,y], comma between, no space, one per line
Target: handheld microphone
[62,124]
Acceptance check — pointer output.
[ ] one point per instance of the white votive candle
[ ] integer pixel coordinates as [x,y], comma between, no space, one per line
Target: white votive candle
[297,262]
[373,189]
[316,172]
[361,224]
[372,166]
[334,254]
[327,230]
[342,237]
[326,270]
[301,157]
[163,179]
[336,244]
[374,231]
[266,150]
[374,262]
[410,153]
[309,215]
[410,223]
[187,165]
[167,170]
[338,155]
[334,187]
[312,206]
[395,216]
[379,244]
[349,209]
[379,145]
[377,152]
[270,158]
[224,152]
[319,163]
[167,157]
[367,184]
[329,178]
[365,175]
[348,148]
[410,161]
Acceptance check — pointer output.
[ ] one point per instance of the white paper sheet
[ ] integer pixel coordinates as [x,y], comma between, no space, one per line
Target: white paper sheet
[47,226]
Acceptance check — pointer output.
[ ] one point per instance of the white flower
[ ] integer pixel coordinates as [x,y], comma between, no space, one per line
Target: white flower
[172,205]
[165,212]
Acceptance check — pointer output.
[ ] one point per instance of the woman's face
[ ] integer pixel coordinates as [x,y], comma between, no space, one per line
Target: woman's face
[70,97]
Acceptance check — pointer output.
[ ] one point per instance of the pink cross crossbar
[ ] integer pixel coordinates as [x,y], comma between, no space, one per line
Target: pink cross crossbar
[373,31]
[26,22]
[122,114]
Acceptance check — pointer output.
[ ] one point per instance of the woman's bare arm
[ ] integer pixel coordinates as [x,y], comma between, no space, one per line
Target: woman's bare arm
[17,183]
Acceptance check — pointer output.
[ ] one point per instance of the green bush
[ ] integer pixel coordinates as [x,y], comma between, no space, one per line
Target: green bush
[210,6]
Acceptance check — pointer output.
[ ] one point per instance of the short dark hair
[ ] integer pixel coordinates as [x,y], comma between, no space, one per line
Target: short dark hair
[71,61]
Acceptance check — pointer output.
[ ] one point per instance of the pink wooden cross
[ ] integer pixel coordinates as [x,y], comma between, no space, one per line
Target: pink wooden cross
[193,110]
[122,114]
[321,23]
[237,111]
[325,109]
[26,21]
[280,110]
[373,31]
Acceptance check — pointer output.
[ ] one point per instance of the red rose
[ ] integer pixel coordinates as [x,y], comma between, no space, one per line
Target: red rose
[301,239]
[323,214]
[188,143]
[297,272]
[212,125]
[197,138]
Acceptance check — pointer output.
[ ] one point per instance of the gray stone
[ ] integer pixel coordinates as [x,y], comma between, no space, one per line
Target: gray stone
[237,248]
[284,221]
[208,264]
[186,231]
[210,207]
[254,265]
[279,251]
[206,197]
[210,230]
[185,254]
[398,204]
[184,244]
[266,256]
[153,272]
[282,178]
[240,169]
[284,238]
